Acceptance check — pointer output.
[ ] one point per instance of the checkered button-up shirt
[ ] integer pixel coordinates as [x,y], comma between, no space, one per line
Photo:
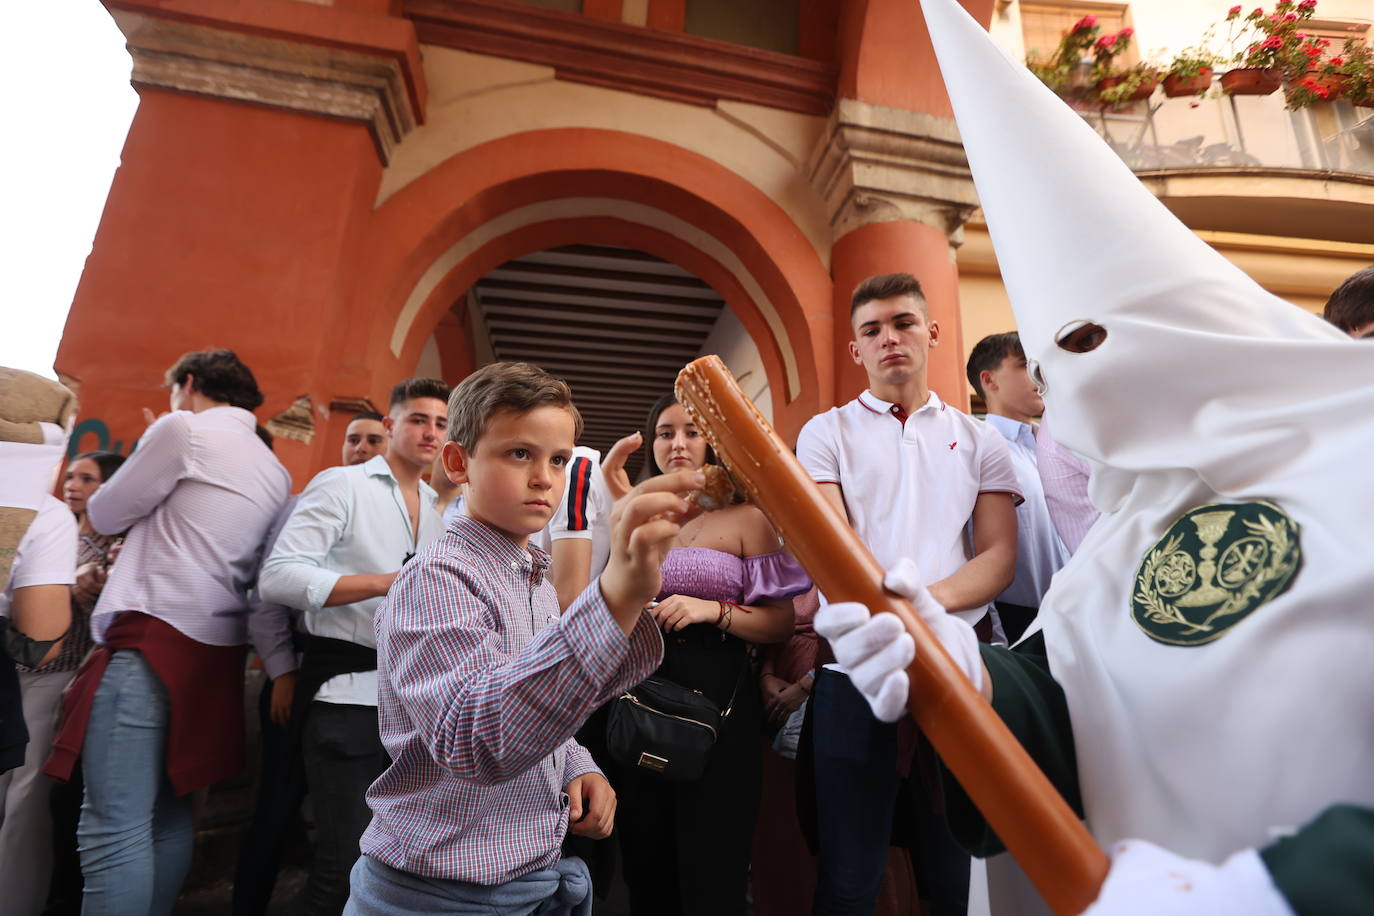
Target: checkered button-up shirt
[481,685]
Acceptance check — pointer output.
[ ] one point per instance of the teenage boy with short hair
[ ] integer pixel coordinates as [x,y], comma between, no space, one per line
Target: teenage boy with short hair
[351,530]
[910,474]
[997,371]
[482,683]
[1351,306]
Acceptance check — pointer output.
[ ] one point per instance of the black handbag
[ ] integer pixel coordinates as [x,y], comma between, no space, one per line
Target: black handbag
[665,728]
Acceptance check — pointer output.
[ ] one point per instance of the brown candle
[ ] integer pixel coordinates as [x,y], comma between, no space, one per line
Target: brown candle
[1028,814]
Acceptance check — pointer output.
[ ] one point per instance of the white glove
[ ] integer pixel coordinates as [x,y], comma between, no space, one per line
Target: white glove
[1148,881]
[875,649]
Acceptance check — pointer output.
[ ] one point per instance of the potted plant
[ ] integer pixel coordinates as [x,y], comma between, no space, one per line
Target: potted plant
[1133,84]
[1191,71]
[1116,86]
[1270,43]
[1357,65]
[1066,70]
[1305,92]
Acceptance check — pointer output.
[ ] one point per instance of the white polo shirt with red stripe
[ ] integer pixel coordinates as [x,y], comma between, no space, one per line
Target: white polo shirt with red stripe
[909,480]
[585,510]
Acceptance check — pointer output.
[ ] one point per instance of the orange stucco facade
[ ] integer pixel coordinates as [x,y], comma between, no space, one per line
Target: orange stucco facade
[279,228]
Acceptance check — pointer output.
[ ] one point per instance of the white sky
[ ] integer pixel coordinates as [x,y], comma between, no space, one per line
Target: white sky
[68,104]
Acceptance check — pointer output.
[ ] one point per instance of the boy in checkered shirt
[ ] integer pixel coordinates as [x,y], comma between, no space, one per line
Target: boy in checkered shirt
[481,681]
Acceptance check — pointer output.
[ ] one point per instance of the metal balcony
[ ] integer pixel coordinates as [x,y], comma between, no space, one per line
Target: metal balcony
[1239,132]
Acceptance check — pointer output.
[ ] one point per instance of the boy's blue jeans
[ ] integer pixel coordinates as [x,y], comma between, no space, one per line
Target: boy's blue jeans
[135,836]
[380,890]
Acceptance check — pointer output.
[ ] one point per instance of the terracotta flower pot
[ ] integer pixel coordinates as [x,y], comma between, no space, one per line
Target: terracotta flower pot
[1334,85]
[1142,91]
[1176,86]
[1250,81]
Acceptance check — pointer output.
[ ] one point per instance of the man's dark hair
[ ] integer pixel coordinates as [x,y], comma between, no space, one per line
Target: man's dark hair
[108,462]
[519,387]
[413,388]
[372,414]
[219,375]
[888,286]
[1351,306]
[988,354]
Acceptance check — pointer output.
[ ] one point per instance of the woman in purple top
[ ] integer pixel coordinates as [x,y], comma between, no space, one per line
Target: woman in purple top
[726,585]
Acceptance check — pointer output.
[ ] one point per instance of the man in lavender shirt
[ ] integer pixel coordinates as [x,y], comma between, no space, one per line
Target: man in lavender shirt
[1065,477]
[197,498]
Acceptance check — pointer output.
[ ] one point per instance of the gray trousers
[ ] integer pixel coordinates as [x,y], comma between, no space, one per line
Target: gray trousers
[25,818]
[343,755]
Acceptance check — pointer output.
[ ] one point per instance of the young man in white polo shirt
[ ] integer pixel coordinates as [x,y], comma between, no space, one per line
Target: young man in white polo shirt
[351,531]
[997,371]
[915,478]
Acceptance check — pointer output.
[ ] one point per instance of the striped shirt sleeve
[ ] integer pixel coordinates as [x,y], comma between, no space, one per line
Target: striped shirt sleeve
[577,511]
[485,715]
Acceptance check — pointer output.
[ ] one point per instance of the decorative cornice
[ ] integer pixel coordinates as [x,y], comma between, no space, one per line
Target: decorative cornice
[877,164]
[296,422]
[669,65]
[353,405]
[314,78]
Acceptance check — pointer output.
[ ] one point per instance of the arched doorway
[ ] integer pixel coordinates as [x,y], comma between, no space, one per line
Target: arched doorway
[434,239]
[617,324]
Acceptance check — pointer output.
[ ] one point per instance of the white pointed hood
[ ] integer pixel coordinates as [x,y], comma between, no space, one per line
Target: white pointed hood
[1201,367]
[1212,632]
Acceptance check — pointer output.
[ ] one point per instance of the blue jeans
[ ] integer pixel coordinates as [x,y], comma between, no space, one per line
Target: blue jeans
[135,836]
[858,791]
[380,890]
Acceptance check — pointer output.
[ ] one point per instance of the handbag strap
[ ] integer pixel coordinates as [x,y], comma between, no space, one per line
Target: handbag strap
[725,714]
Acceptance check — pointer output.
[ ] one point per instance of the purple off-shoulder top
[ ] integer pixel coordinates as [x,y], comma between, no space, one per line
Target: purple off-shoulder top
[714,575]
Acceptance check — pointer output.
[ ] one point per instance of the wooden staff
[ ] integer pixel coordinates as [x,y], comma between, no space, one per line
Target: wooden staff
[1028,814]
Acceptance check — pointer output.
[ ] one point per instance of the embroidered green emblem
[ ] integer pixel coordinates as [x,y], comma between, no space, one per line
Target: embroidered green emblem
[1214,566]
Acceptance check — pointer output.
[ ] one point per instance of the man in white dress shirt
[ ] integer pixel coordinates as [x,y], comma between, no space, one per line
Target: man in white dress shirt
[997,371]
[352,529]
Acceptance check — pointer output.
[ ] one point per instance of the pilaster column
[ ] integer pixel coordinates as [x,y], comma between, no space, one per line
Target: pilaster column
[242,57]
[898,190]
[248,176]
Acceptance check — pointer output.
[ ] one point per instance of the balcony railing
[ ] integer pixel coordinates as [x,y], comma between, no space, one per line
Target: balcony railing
[1238,132]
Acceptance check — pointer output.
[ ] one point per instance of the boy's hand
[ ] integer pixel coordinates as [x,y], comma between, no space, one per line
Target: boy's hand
[643,526]
[591,806]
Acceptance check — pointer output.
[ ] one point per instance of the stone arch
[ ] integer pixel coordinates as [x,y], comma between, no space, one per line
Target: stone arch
[534,190]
